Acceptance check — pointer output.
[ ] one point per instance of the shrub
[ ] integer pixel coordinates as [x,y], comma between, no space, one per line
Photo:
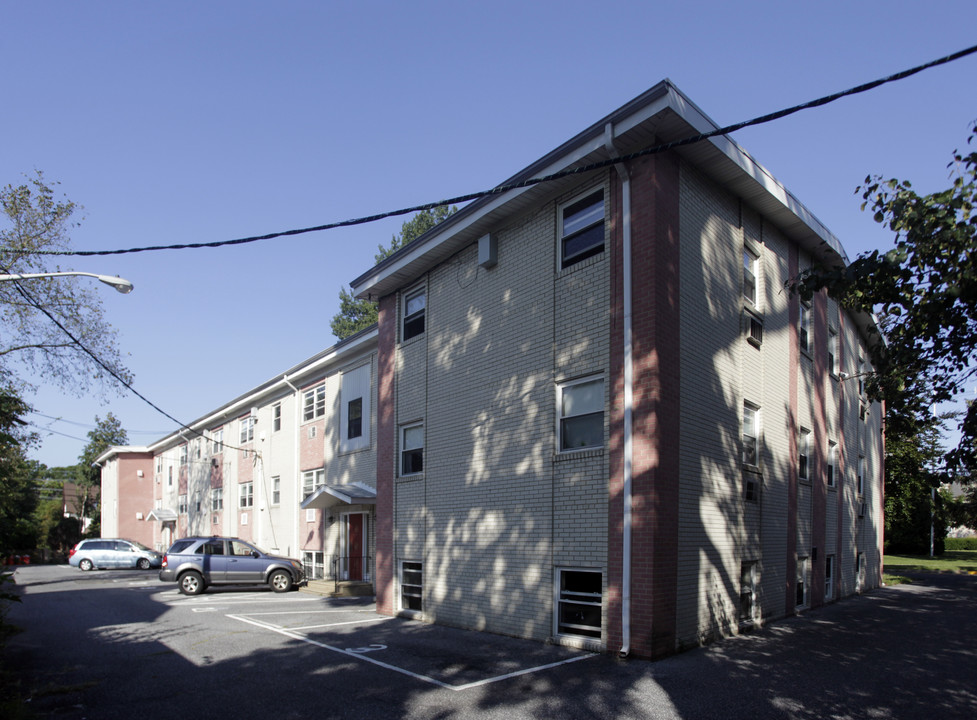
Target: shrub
[967,543]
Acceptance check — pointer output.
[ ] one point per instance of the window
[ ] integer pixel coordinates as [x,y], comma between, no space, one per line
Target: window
[751,263]
[312,480]
[803,454]
[313,563]
[832,472]
[415,308]
[412,450]
[183,454]
[751,434]
[211,547]
[276,490]
[748,584]
[276,417]
[582,229]
[804,328]
[801,597]
[159,463]
[314,403]
[246,495]
[247,429]
[829,577]
[579,602]
[861,376]
[860,573]
[411,585]
[860,479]
[169,480]
[581,415]
[183,504]
[833,351]
[217,442]
[216,499]
[754,329]
[354,418]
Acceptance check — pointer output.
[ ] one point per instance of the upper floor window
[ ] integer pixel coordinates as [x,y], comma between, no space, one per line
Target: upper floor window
[860,478]
[276,490]
[804,327]
[246,495]
[751,264]
[311,480]
[804,454]
[217,441]
[354,418]
[314,403]
[183,454]
[415,308]
[581,414]
[412,449]
[276,417]
[247,429]
[354,413]
[832,472]
[751,434]
[582,228]
[833,347]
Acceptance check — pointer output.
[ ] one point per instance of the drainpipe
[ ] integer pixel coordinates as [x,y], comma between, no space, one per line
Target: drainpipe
[622,172]
[295,523]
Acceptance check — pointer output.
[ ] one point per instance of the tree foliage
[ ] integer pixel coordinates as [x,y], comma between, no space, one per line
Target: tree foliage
[18,496]
[355,314]
[105,434]
[32,345]
[926,286]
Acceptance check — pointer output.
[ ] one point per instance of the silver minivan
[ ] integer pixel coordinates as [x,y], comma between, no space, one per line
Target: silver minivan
[113,553]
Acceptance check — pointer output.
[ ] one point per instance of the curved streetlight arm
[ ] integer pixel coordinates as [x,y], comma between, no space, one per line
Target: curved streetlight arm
[120,284]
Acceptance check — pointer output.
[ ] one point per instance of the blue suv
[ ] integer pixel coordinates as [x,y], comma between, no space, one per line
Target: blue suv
[197,562]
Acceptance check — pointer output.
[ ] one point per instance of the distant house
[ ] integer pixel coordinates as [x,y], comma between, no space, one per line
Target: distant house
[601,419]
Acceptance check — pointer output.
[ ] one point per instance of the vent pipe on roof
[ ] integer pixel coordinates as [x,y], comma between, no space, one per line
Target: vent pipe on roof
[622,172]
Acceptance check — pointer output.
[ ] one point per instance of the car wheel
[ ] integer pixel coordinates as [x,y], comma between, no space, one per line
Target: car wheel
[86,565]
[143,564]
[191,583]
[280,581]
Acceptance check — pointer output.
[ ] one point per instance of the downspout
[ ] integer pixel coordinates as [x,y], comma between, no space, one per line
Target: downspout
[622,172]
[295,524]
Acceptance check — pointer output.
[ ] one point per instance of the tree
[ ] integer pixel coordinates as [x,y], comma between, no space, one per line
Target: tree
[105,434]
[18,496]
[354,314]
[927,286]
[34,222]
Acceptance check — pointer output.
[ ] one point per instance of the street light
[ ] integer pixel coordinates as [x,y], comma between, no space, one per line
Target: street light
[120,284]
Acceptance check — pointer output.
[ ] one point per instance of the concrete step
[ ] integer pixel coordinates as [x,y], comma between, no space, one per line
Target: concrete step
[345,588]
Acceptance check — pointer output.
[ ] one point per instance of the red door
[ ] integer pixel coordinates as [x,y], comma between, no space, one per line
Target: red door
[355,544]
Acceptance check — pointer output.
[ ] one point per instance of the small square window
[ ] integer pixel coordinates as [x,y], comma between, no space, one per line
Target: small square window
[411,585]
[412,450]
[579,603]
[415,309]
[582,229]
[582,415]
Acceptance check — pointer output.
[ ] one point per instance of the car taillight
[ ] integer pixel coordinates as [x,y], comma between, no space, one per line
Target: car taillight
[72,551]
[164,560]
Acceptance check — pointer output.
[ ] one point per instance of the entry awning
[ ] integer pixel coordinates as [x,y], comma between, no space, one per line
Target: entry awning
[329,495]
[162,515]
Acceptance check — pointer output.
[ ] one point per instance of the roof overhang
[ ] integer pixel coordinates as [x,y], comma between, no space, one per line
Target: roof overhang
[660,115]
[328,496]
[162,515]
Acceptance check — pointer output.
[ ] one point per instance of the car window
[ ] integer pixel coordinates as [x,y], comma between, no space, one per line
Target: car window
[211,547]
[179,546]
[123,546]
[240,548]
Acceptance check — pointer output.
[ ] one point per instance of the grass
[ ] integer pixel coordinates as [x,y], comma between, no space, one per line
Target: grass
[963,562]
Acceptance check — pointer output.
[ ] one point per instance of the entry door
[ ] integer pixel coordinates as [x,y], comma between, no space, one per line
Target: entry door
[354,545]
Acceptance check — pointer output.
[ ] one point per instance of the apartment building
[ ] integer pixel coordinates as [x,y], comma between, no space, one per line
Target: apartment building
[602,421]
[290,466]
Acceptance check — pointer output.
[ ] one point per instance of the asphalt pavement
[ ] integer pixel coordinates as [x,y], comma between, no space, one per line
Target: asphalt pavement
[119,644]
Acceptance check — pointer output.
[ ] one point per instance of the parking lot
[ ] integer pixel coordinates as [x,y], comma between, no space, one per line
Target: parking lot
[449,658]
[96,645]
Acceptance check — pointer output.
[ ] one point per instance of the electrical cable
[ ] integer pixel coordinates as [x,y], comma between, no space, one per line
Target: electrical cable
[499,189]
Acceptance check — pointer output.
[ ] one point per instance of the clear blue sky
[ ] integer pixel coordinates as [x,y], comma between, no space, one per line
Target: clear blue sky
[203,121]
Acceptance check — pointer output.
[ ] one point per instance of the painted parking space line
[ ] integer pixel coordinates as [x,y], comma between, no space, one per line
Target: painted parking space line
[363,653]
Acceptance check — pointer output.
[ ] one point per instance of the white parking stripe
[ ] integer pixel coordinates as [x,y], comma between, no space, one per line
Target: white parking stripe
[425,678]
[327,625]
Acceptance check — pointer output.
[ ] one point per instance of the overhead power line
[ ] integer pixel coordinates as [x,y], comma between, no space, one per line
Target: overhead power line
[499,189]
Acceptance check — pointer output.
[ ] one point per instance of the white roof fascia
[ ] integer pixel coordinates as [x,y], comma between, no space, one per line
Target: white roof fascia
[271,387]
